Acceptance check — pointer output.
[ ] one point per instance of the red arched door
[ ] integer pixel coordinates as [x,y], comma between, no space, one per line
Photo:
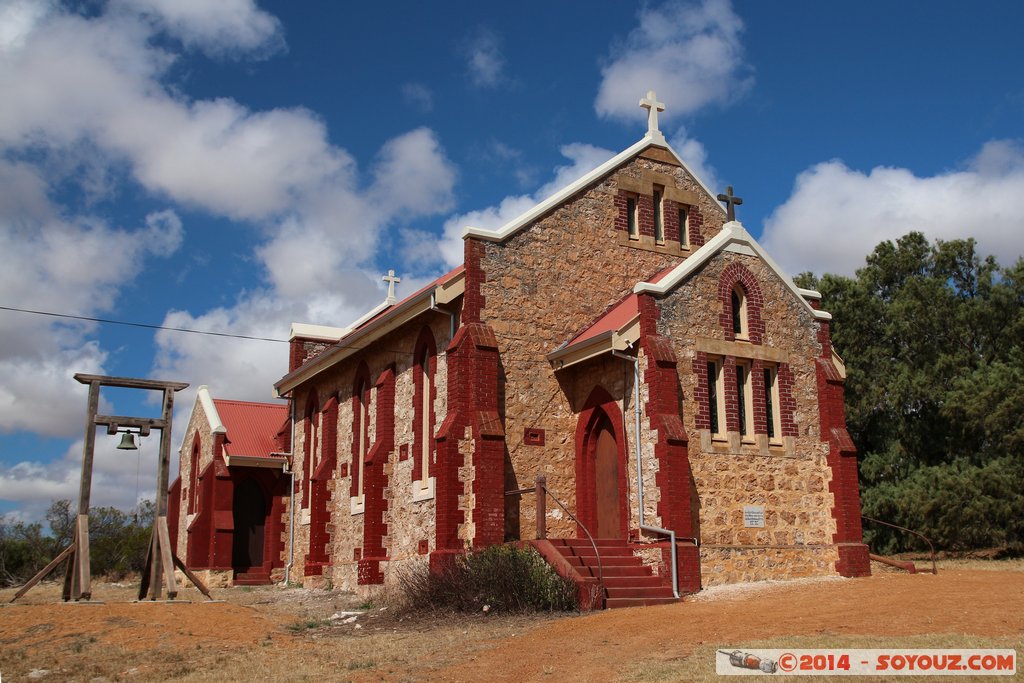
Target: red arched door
[608,480]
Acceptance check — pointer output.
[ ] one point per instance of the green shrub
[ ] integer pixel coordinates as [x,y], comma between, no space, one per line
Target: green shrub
[499,578]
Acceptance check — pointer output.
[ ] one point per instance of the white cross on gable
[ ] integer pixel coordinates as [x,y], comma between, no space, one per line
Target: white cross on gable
[653,106]
[392,281]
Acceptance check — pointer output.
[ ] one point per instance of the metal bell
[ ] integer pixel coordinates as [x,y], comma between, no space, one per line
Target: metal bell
[127,442]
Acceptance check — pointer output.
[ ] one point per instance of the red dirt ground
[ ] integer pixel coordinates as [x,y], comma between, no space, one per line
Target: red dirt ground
[284,634]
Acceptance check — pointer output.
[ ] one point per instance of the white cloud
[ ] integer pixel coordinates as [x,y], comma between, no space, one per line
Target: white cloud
[88,105]
[688,52]
[484,59]
[836,215]
[49,263]
[413,177]
[217,28]
[419,96]
[17,20]
[583,159]
[119,479]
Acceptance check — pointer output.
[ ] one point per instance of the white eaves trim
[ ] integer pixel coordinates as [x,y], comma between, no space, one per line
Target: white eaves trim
[554,200]
[375,329]
[734,238]
[212,416]
[317,332]
[254,461]
[610,340]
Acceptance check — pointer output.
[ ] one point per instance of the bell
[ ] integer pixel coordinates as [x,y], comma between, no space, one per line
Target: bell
[127,442]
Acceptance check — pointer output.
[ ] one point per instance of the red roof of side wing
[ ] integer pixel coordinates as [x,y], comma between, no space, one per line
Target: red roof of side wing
[252,427]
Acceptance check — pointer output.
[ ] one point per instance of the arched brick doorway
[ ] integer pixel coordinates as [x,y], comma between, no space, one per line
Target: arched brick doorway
[601,467]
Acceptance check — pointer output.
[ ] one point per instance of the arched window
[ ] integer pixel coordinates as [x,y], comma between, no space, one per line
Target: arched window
[423,415]
[309,446]
[193,476]
[739,312]
[361,397]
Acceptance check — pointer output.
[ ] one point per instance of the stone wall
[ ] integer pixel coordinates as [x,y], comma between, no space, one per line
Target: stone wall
[789,477]
[409,516]
[198,425]
[548,282]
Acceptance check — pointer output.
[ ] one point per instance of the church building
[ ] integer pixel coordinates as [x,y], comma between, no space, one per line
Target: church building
[627,340]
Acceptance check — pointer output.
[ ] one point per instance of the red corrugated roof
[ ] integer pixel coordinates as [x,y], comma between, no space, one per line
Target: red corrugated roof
[252,427]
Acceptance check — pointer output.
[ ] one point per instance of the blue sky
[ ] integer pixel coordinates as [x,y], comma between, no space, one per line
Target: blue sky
[234,167]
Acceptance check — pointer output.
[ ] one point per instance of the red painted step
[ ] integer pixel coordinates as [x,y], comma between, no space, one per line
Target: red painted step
[251,579]
[628,582]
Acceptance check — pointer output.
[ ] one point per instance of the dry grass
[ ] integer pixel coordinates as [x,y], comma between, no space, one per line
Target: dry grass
[286,634]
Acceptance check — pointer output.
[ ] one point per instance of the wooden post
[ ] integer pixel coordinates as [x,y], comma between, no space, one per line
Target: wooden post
[542,515]
[81,584]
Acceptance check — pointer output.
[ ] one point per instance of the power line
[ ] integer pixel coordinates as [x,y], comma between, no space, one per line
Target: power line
[143,325]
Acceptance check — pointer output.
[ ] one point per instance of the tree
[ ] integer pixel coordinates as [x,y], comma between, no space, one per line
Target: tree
[932,338]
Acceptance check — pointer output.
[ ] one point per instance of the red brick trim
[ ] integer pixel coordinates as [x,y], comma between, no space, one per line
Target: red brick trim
[425,349]
[309,419]
[320,516]
[473,300]
[697,237]
[472,374]
[598,408]
[375,504]
[787,402]
[738,274]
[842,460]
[664,414]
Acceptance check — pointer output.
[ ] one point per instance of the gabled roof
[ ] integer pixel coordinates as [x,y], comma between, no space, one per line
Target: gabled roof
[378,322]
[733,237]
[617,328]
[523,220]
[250,428]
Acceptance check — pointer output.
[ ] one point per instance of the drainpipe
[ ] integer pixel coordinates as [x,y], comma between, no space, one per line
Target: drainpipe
[290,470]
[450,314]
[635,360]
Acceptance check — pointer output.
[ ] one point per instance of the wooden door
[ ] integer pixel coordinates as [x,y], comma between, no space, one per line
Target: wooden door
[250,513]
[607,478]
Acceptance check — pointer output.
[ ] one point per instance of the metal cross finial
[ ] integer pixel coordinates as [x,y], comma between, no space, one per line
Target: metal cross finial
[653,106]
[391,280]
[731,202]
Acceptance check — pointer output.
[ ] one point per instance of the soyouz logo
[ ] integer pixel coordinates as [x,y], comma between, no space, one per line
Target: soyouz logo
[875,662]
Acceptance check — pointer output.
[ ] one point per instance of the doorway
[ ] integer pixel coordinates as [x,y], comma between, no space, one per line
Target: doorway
[250,514]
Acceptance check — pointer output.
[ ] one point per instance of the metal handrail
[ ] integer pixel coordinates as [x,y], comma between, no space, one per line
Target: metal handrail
[909,531]
[541,489]
[600,569]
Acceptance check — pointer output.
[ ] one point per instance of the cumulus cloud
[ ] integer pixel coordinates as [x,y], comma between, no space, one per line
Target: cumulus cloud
[90,111]
[688,52]
[217,28]
[120,478]
[484,59]
[583,158]
[836,215]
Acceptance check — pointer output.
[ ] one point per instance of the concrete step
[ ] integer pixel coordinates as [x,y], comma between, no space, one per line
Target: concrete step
[616,603]
[639,592]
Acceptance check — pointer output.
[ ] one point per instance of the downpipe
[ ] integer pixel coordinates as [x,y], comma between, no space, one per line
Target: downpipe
[639,471]
[290,470]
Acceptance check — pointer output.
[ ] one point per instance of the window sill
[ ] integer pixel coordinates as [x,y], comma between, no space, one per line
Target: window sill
[422,491]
